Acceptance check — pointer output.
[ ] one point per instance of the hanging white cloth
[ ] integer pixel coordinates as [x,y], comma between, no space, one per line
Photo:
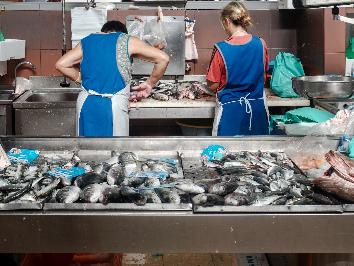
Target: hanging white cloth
[84,22]
[191,49]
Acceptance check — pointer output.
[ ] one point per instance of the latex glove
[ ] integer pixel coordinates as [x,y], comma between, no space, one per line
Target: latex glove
[144,90]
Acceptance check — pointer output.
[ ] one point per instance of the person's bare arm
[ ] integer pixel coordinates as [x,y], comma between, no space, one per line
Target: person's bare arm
[66,63]
[213,85]
[141,50]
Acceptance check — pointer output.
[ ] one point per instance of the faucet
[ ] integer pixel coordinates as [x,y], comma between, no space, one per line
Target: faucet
[24,62]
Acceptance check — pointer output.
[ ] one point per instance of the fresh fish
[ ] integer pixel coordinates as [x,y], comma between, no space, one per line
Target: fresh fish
[151,196]
[129,195]
[30,197]
[261,178]
[208,200]
[274,186]
[168,195]
[322,199]
[296,192]
[45,191]
[223,188]
[160,96]
[111,195]
[203,89]
[245,190]
[280,201]
[68,194]
[237,199]
[92,193]
[114,158]
[87,179]
[163,167]
[274,169]
[304,201]
[17,194]
[115,175]
[12,187]
[265,201]
[128,157]
[134,181]
[190,187]
[151,181]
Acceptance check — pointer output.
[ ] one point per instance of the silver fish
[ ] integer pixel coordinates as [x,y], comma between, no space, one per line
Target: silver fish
[237,199]
[160,96]
[168,195]
[188,186]
[115,175]
[45,191]
[265,201]
[134,181]
[208,200]
[151,196]
[223,188]
[88,178]
[151,181]
[92,193]
[68,194]
[111,195]
[129,195]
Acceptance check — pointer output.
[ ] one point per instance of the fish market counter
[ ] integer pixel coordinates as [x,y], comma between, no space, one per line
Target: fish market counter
[199,108]
[179,228]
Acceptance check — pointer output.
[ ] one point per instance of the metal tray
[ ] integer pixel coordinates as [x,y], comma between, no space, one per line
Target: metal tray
[116,206]
[20,206]
[271,209]
[324,87]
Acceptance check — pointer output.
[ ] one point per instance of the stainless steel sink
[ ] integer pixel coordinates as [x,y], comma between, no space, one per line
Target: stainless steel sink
[46,112]
[53,97]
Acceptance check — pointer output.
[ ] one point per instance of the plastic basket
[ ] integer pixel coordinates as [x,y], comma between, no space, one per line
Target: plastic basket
[196,127]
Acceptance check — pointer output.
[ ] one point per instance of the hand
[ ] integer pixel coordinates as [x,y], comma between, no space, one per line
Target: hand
[144,90]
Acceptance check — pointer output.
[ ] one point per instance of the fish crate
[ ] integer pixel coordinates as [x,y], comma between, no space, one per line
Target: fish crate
[109,259]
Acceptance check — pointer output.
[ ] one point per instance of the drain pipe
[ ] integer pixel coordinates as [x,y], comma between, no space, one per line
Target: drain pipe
[64,83]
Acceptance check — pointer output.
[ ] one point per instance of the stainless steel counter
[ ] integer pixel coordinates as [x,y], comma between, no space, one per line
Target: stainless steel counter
[174,231]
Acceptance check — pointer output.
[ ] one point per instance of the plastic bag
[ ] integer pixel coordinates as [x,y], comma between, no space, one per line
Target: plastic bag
[157,35]
[22,85]
[286,67]
[309,153]
[136,28]
[349,130]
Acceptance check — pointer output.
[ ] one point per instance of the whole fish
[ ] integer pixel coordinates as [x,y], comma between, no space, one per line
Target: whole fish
[208,200]
[129,195]
[160,96]
[223,188]
[115,175]
[68,194]
[151,196]
[237,199]
[265,200]
[111,195]
[45,191]
[134,181]
[151,181]
[168,195]
[17,194]
[188,186]
[247,190]
[92,193]
[87,179]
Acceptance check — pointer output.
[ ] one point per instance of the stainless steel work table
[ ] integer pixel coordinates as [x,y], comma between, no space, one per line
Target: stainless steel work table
[172,231]
[199,108]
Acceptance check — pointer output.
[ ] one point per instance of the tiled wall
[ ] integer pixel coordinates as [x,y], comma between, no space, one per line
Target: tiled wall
[42,31]
[321,41]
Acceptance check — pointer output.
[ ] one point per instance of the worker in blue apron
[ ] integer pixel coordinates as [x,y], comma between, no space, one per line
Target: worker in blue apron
[241,105]
[105,75]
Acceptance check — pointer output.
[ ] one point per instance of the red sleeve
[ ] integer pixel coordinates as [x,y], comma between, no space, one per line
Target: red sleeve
[216,67]
[266,58]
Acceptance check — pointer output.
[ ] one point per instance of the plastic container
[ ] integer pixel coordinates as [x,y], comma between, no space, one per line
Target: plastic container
[196,127]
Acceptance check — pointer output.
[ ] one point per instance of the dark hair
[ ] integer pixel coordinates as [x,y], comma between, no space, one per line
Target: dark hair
[114,26]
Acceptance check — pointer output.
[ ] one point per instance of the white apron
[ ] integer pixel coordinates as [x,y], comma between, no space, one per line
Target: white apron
[120,103]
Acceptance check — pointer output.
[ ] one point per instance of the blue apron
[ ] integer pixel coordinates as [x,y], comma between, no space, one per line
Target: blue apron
[102,106]
[241,105]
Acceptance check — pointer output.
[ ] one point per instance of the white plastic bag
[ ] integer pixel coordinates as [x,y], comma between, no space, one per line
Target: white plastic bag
[136,29]
[22,85]
[157,35]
